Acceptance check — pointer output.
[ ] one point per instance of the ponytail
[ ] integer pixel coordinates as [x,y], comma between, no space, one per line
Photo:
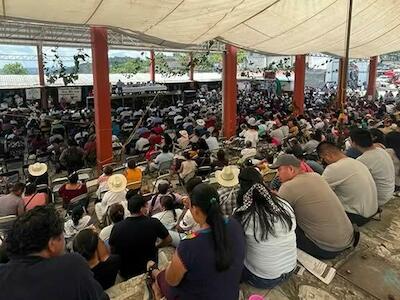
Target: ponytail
[217,224]
[206,198]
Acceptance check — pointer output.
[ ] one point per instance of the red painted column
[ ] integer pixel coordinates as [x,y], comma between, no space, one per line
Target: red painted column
[341,93]
[101,87]
[229,86]
[191,67]
[373,65]
[299,80]
[43,96]
[152,66]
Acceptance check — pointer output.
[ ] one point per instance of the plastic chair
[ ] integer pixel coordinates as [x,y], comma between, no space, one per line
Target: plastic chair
[165,166]
[81,200]
[5,224]
[55,186]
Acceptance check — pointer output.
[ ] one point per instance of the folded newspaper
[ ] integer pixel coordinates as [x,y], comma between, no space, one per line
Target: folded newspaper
[316,267]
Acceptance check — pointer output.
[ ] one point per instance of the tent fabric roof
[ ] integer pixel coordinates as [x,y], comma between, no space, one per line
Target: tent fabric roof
[284,27]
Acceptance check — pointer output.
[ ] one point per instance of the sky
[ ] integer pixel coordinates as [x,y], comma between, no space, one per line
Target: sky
[30,51]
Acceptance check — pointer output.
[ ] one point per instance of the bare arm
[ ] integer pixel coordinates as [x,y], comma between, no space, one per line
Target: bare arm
[165,242]
[175,271]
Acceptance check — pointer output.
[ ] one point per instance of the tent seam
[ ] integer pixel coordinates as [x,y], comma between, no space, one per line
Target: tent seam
[163,18]
[93,13]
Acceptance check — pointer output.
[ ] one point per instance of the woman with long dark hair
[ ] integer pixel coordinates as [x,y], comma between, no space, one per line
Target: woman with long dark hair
[269,225]
[393,148]
[208,263]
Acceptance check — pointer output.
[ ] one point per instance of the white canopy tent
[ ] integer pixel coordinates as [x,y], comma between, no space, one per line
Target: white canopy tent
[284,27]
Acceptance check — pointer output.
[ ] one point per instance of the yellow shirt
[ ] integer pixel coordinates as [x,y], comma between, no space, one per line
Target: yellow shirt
[133,175]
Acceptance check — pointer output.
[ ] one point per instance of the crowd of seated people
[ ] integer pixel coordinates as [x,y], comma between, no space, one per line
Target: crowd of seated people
[334,172]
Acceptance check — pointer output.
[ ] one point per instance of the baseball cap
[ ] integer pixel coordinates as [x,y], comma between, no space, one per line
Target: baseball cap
[285,160]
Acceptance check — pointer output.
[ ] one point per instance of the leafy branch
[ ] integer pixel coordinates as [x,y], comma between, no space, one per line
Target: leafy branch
[55,68]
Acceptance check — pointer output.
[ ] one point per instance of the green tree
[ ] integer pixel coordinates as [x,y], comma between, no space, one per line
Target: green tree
[55,68]
[14,69]
[128,65]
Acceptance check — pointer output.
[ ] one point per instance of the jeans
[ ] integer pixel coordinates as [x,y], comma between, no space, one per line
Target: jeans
[262,283]
[357,219]
[308,246]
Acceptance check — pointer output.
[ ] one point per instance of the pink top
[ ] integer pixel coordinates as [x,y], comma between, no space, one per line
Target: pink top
[37,200]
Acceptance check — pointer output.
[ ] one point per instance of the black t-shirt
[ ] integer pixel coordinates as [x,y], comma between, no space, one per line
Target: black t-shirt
[106,272]
[64,277]
[134,240]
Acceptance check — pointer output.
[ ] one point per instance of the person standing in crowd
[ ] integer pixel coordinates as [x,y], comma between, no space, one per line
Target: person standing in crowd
[213,255]
[12,203]
[38,267]
[323,228]
[228,179]
[378,162]
[137,234]
[72,158]
[269,225]
[351,181]
[72,189]
[104,265]
[393,148]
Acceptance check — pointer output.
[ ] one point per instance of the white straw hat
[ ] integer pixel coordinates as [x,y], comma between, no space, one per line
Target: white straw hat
[37,169]
[117,183]
[228,177]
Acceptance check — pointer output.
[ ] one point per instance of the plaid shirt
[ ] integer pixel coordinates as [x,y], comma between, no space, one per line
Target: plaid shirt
[227,199]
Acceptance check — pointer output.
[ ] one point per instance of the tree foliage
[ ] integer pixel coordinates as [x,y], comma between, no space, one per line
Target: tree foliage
[14,69]
[55,68]
[129,66]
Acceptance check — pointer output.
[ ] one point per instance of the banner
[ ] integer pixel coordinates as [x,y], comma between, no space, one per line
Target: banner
[69,94]
[32,94]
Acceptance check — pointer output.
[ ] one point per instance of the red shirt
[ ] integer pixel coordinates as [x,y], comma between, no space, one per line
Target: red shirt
[67,195]
[155,139]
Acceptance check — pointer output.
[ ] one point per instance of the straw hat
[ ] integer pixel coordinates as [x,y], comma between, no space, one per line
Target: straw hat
[116,183]
[228,177]
[252,122]
[37,169]
[200,122]
[184,133]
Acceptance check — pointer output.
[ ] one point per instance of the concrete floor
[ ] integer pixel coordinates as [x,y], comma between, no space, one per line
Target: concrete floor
[371,271]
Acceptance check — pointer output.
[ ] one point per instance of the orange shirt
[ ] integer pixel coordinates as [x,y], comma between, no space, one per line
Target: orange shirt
[133,175]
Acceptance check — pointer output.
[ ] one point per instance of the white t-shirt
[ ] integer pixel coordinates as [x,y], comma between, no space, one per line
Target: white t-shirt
[212,143]
[105,233]
[278,134]
[353,184]
[381,166]
[188,223]
[252,136]
[248,152]
[70,229]
[276,255]
[285,131]
[167,218]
